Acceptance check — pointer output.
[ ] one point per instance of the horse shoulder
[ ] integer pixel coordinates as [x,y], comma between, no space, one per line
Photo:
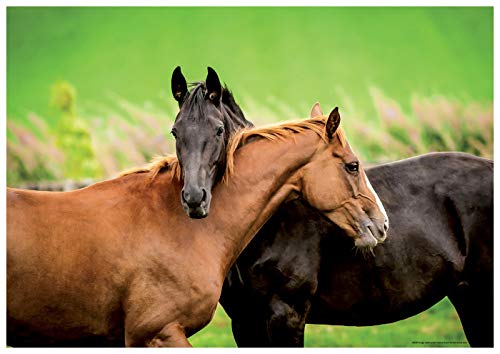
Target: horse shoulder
[162,291]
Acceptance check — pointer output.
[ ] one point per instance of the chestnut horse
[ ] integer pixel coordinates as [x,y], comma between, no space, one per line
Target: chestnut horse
[119,263]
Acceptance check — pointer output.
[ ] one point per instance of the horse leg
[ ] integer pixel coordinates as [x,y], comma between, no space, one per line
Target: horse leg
[475,309]
[286,324]
[172,335]
[282,326]
[250,333]
[249,325]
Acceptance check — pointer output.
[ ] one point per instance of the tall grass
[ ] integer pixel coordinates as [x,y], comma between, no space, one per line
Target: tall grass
[112,137]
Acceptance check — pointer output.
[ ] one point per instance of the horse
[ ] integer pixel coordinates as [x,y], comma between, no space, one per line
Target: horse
[119,263]
[201,152]
[299,268]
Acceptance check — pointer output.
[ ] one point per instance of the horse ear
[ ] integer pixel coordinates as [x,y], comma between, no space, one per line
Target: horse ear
[214,88]
[316,110]
[332,123]
[179,85]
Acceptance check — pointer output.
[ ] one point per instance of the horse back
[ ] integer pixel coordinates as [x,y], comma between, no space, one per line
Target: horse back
[459,187]
[468,199]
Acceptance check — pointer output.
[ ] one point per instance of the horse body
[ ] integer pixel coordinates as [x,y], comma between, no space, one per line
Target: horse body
[73,270]
[120,263]
[440,244]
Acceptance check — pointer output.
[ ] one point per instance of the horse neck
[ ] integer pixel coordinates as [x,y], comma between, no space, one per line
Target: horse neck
[266,174]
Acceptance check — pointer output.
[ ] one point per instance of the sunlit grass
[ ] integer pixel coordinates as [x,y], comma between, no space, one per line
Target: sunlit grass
[439,326]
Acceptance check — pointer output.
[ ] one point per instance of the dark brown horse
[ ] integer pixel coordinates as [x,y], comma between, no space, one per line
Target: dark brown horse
[119,263]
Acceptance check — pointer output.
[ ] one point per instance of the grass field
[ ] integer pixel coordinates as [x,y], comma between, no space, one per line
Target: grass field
[437,327]
[88,95]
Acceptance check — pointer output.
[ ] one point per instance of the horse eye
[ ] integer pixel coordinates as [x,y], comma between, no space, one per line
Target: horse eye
[352,167]
[174,133]
[220,130]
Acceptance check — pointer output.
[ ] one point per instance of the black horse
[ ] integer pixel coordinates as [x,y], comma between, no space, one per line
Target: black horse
[300,268]
[207,118]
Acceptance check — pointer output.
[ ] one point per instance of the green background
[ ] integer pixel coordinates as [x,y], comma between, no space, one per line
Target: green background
[298,55]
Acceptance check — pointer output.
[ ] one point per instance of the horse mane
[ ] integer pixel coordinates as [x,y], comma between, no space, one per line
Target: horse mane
[242,137]
[273,132]
[158,164]
[228,99]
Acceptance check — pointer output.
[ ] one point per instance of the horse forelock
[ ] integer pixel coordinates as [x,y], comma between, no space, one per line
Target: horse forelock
[194,104]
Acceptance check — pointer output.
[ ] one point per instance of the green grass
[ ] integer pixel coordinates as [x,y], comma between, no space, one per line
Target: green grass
[439,326]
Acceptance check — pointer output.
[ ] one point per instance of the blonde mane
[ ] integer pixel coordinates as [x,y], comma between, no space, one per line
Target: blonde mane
[271,132]
[158,164]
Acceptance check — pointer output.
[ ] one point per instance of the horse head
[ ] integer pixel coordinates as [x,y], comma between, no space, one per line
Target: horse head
[335,183]
[208,116]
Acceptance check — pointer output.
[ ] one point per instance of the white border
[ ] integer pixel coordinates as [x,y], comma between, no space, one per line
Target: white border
[166,3]
[122,3]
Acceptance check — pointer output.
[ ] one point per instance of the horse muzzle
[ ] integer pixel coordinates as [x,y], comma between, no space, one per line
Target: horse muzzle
[372,233]
[196,213]
[196,202]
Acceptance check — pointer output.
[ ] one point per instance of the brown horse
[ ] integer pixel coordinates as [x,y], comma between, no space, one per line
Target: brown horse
[119,263]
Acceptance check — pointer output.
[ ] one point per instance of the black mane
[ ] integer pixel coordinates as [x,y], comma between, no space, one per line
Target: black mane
[196,97]
[228,100]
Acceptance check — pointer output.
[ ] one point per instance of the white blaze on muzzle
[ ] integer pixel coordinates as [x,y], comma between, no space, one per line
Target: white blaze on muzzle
[377,200]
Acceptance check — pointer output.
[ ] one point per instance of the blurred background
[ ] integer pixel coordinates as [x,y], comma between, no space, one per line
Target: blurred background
[88,95]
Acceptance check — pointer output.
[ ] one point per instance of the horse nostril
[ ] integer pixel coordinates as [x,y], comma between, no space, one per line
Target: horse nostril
[204,196]
[184,196]
[386,225]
